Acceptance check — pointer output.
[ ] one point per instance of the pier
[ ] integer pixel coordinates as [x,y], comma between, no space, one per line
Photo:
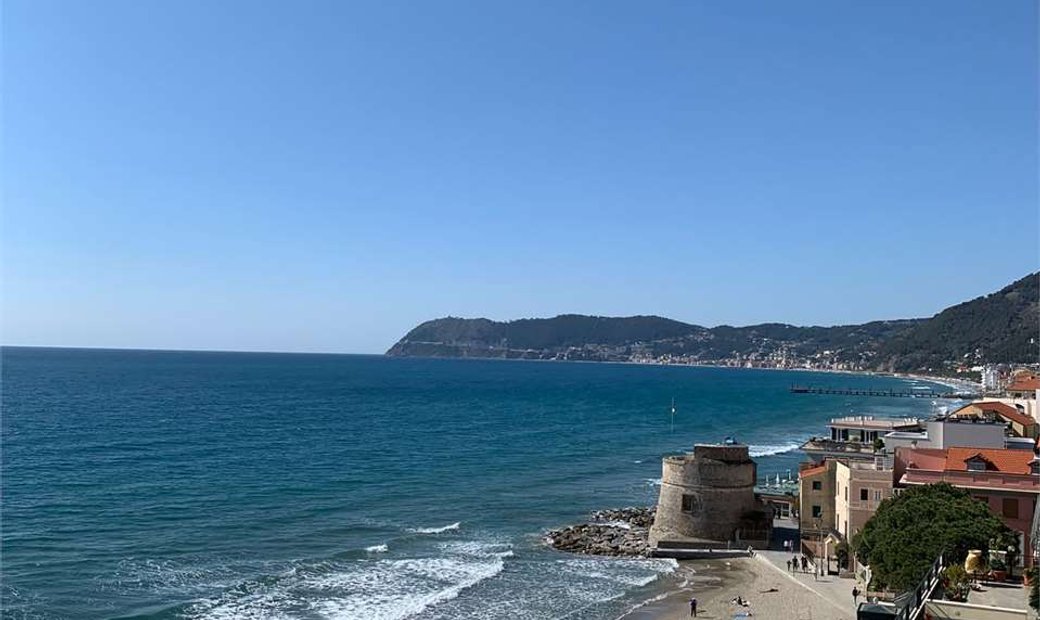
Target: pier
[805,389]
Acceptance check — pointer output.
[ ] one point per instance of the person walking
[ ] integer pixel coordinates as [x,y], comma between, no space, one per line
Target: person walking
[855,594]
[693,607]
[789,566]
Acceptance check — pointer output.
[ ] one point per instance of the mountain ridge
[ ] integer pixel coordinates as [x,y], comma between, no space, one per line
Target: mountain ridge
[999,327]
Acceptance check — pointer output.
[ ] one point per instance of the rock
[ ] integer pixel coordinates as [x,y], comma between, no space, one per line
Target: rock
[613,532]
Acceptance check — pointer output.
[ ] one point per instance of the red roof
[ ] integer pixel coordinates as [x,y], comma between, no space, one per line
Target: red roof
[812,471]
[1006,461]
[1025,384]
[1007,412]
[956,459]
[1000,409]
[923,458]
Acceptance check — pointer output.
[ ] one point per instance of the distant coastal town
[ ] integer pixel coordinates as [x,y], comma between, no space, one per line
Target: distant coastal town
[980,339]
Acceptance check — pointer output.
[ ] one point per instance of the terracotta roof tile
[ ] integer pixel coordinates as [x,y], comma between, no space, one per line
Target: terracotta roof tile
[1006,461]
[1024,384]
[1002,410]
[812,471]
[1008,412]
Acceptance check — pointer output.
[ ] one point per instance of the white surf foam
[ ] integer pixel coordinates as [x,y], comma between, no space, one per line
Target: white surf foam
[769,450]
[377,549]
[379,589]
[625,525]
[435,530]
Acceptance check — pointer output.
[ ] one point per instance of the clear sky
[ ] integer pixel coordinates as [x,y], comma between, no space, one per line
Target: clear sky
[322,176]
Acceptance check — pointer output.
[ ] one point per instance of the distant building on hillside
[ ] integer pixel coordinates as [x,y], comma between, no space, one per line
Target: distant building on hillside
[991,378]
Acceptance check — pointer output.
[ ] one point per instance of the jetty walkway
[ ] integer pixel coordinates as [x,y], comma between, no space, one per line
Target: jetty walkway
[805,389]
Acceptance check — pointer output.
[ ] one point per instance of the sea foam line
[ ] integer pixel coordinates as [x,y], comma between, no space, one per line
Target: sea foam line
[435,530]
[770,450]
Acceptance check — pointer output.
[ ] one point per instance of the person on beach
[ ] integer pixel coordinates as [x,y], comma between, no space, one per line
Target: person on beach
[805,564]
[855,594]
[789,566]
[693,607]
[794,563]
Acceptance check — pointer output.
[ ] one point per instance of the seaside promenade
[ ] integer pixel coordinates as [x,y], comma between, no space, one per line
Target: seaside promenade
[837,592]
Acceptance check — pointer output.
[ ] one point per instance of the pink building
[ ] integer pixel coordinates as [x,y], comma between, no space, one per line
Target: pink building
[1008,481]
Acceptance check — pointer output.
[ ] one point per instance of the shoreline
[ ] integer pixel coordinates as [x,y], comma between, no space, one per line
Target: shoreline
[950,382]
[715,583]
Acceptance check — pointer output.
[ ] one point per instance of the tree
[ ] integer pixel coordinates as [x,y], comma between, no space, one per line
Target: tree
[842,552]
[910,530]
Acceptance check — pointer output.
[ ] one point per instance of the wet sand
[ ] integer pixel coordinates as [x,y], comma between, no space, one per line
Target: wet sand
[715,583]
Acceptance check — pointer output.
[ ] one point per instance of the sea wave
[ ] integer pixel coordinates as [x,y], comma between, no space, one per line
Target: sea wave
[435,530]
[381,590]
[772,449]
[377,549]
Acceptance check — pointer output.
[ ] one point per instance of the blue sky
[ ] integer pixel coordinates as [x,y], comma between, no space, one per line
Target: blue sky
[321,176]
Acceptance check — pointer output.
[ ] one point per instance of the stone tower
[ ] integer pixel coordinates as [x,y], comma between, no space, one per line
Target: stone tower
[708,495]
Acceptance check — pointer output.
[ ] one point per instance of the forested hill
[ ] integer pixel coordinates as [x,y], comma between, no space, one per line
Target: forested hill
[994,328]
[999,327]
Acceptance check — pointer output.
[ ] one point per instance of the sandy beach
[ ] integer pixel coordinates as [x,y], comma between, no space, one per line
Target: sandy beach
[770,593]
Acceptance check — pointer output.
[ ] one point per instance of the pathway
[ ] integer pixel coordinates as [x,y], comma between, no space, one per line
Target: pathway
[836,591]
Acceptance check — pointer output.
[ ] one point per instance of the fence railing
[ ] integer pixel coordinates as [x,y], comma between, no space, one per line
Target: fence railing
[913,604]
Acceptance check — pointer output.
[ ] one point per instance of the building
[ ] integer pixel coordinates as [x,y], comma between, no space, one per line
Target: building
[838,498]
[1008,481]
[816,497]
[1020,424]
[859,488]
[708,496]
[990,378]
[853,437]
[949,432]
[1024,386]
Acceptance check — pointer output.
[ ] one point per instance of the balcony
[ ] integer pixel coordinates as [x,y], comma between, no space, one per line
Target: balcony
[818,446]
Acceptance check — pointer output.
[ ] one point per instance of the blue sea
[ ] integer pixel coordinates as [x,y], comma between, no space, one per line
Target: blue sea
[241,485]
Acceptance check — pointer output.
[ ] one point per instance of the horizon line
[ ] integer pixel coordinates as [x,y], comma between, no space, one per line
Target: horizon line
[163,350]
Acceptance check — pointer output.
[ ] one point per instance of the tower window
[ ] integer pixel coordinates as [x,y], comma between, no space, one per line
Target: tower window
[688,503]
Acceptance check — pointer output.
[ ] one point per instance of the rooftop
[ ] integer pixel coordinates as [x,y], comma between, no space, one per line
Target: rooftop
[1024,384]
[994,409]
[1006,461]
[956,459]
[872,423]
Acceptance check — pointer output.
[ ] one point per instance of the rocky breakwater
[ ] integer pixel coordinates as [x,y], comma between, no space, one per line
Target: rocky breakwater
[616,532]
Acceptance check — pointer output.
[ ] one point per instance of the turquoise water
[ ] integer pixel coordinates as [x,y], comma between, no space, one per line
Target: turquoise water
[220,485]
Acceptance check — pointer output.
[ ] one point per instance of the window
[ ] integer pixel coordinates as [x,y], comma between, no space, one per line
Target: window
[817,485]
[817,511]
[976,465]
[688,503]
[1011,507]
[846,494]
[863,495]
[877,495]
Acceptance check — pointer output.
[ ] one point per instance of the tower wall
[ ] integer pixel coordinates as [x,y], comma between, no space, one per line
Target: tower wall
[705,494]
